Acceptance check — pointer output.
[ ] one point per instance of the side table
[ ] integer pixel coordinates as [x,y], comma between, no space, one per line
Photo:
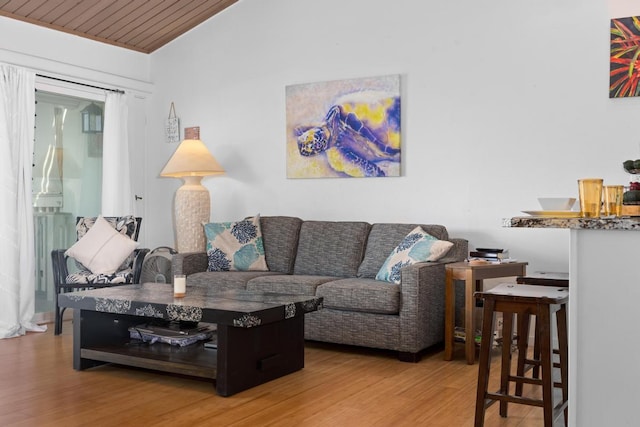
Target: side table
[473,275]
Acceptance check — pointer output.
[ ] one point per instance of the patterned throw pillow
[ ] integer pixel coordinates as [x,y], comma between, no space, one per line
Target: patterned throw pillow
[235,246]
[417,246]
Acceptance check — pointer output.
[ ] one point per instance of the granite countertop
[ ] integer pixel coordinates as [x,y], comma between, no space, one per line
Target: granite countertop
[617,223]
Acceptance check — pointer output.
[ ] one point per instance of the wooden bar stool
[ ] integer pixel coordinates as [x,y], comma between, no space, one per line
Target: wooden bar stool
[523,300]
[540,278]
[544,278]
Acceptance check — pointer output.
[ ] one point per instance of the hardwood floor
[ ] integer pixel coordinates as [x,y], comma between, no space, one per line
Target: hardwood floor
[338,386]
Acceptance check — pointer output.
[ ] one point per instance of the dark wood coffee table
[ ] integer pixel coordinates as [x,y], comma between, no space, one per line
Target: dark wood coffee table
[260,335]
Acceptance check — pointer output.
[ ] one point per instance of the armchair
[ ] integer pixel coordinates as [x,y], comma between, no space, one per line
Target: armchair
[68,276]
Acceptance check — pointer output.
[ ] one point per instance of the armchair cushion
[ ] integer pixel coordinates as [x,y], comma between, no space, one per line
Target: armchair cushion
[102,250]
[417,246]
[90,279]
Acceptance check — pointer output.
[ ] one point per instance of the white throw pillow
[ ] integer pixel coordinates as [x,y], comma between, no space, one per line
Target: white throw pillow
[102,249]
[417,246]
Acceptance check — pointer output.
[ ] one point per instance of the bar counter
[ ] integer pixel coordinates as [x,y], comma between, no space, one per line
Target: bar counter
[621,223]
[604,306]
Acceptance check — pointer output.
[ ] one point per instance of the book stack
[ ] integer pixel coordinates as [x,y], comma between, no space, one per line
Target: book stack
[492,255]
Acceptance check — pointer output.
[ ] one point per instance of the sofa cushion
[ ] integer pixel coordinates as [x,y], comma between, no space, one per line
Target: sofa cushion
[331,248]
[288,284]
[235,246]
[383,238]
[224,280]
[280,238]
[417,246]
[366,295]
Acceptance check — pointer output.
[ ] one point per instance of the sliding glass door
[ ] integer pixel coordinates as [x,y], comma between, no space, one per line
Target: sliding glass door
[67,175]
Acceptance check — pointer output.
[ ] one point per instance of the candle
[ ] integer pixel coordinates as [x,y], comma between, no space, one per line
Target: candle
[179,285]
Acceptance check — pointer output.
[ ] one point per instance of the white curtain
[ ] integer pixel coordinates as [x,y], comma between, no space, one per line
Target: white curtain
[117,193]
[17,274]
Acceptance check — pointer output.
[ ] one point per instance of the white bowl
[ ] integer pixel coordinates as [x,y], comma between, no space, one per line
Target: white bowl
[556,203]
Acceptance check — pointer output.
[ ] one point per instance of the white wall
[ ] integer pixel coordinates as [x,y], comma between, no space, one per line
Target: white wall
[503,102]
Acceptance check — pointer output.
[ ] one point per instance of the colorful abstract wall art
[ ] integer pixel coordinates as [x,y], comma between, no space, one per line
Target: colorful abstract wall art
[344,128]
[624,60]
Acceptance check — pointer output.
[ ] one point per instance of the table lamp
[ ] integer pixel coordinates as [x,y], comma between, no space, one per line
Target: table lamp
[192,161]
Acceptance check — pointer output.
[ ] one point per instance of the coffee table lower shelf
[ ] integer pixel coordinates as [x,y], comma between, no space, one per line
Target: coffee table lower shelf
[193,360]
[245,357]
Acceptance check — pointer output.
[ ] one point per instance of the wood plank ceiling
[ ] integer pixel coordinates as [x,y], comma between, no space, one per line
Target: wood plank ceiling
[140,25]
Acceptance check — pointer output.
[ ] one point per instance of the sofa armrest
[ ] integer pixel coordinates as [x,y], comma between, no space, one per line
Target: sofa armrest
[189,263]
[422,306]
[459,251]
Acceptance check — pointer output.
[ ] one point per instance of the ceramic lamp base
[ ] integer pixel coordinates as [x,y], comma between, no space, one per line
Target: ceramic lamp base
[192,209]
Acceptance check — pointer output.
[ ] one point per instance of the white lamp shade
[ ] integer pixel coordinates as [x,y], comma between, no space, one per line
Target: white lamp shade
[192,158]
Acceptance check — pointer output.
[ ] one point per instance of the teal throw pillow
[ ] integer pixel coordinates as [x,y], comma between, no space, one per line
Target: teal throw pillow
[235,246]
[417,246]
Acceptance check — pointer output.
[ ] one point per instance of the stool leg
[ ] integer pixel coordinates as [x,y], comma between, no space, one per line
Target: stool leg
[536,351]
[536,354]
[524,320]
[543,320]
[505,371]
[561,320]
[484,361]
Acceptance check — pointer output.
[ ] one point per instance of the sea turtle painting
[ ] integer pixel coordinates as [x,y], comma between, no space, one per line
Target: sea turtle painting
[359,136]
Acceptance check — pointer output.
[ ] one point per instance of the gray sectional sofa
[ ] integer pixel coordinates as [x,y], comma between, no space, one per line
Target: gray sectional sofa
[339,261]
